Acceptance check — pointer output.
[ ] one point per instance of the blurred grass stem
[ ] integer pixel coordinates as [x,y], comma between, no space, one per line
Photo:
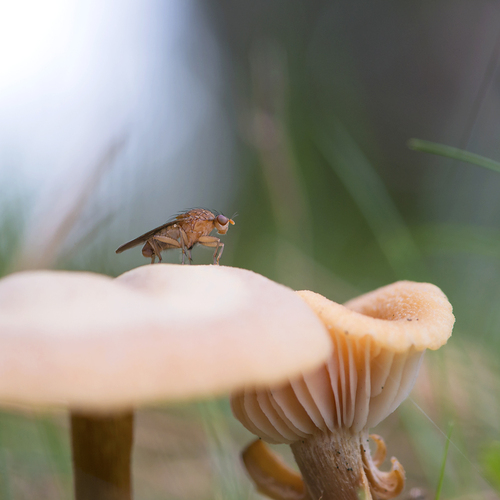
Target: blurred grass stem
[45,238]
[453,153]
[368,191]
[443,465]
[270,137]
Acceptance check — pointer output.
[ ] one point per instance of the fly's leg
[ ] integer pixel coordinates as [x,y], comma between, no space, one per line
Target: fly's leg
[156,249]
[221,246]
[212,242]
[168,241]
[173,243]
[185,242]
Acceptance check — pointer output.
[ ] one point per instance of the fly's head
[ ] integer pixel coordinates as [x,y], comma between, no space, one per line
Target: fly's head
[221,223]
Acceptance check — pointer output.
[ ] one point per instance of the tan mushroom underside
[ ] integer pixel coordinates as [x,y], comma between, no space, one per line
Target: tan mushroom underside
[379,340]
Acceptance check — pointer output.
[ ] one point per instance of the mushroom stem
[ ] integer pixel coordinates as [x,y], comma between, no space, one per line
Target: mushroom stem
[335,466]
[332,466]
[102,447]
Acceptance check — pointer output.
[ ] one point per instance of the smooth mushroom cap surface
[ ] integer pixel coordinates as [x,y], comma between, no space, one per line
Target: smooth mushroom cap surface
[158,332]
[379,339]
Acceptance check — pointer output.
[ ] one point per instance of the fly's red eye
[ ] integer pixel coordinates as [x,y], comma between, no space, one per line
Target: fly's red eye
[222,220]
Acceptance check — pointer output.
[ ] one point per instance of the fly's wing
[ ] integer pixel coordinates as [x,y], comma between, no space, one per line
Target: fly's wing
[144,237]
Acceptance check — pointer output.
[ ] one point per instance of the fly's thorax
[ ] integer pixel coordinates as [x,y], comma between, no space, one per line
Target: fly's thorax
[203,227]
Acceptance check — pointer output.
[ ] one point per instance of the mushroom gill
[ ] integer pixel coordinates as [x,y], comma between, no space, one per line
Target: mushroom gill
[378,340]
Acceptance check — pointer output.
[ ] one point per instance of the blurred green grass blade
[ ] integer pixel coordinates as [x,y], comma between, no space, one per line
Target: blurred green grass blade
[443,465]
[425,439]
[490,463]
[13,208]
[5,488]
[5,480]
[454,239]
[454,153]
[56,445]
[367,189]
[215,416]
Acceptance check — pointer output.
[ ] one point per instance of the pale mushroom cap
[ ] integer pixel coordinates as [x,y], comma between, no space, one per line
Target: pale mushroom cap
[379,340]
[156,333]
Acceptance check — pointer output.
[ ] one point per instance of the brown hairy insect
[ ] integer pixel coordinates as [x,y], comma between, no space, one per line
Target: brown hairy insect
[183,231]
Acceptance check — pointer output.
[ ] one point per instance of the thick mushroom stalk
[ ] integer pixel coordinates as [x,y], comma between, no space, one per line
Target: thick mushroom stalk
[102,452]
[276,480]
[379,340]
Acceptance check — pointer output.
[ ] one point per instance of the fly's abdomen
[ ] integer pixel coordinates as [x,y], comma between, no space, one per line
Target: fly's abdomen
[147,250]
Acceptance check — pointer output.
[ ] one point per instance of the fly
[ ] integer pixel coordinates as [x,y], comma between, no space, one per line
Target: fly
[184,231]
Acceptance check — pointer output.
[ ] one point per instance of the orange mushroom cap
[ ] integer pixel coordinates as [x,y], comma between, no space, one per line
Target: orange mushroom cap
[378,339]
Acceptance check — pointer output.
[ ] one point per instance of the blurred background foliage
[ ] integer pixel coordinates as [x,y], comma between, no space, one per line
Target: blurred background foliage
[296,114]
